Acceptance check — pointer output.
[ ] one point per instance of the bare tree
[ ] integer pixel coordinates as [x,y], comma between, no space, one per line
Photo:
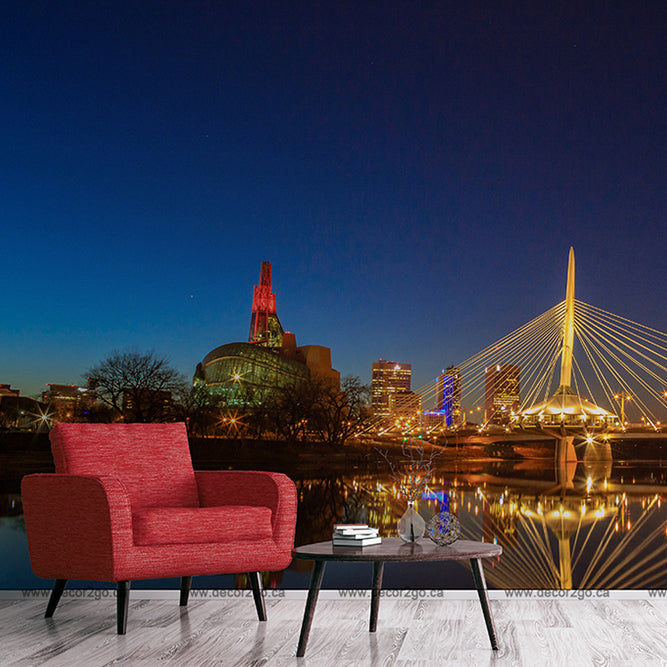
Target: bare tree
[198,408]
[338,413]
[138,386]
[288,410]
[415,470]
[317,408]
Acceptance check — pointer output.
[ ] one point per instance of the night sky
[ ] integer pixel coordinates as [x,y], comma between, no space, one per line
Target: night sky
[415,171]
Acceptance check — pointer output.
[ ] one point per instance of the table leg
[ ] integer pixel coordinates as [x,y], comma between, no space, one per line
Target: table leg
[313,592]
[378,567]
[480,584]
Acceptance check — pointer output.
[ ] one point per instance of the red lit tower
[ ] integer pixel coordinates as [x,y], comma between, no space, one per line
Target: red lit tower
[265,327]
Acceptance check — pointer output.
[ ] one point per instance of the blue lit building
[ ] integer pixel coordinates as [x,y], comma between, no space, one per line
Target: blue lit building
[448,399]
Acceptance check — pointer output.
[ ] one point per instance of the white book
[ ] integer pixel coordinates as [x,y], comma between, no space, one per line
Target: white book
[347,542]
[368,532]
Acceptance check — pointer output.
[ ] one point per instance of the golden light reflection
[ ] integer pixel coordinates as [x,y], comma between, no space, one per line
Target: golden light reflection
[594,535]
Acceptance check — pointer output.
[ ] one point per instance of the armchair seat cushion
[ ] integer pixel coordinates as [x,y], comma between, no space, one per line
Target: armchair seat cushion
[195,525]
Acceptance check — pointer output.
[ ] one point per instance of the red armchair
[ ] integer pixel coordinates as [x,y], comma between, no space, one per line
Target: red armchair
[125,503]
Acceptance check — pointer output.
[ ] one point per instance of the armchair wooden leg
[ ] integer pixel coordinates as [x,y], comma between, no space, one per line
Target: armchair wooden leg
[58,588]
[186,582]
[256,584]
[122,603]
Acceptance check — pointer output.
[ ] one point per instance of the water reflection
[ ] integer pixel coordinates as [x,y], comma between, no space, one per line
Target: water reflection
[598,523]
[592,524]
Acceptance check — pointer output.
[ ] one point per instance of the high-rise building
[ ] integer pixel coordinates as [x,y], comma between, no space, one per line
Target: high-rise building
[388,378]
[445,398]
[265,327]
[449,395]
[502,396]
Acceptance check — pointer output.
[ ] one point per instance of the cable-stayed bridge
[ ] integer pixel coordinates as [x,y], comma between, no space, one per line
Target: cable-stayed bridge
[576,366]
[622,370]
[576,375]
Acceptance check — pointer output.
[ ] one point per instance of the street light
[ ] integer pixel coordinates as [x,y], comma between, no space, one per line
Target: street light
[623,397]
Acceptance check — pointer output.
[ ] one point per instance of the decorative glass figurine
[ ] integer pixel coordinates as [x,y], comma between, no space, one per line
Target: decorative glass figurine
[411,525]
[444,527]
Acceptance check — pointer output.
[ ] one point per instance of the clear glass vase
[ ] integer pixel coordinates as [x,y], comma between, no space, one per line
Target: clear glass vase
[411,526]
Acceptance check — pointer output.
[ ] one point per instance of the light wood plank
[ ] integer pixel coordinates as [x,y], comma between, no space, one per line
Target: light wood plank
[411,633]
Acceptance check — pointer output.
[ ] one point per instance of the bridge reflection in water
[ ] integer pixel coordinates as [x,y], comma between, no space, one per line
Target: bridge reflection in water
[593,524]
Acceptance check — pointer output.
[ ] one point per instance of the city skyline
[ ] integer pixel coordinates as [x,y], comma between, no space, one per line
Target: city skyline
[415,175]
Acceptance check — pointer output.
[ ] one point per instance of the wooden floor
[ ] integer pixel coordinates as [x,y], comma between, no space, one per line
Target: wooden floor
[410,632]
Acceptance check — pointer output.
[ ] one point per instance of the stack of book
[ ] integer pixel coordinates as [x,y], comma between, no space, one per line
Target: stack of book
[355,535]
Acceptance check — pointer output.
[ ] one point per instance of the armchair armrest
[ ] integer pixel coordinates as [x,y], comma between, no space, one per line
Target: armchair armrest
[77,525]
[247,487]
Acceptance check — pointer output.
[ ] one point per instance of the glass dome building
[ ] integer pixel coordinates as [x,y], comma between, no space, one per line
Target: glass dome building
[239,371]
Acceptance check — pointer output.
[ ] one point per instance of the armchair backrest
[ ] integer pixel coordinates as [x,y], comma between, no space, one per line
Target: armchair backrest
[151,460]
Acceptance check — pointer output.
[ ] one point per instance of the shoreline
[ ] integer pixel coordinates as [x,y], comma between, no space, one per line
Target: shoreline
[22,453]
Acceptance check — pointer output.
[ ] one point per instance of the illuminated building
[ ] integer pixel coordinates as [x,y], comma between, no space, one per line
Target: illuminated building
[405,405]
[265,327]
[503,384]
[147,405]
[6,390]
[565,408]
[243,372]
[388,377]
[67,401]
[9,406]
[449,395]
[21,412]
[434,419]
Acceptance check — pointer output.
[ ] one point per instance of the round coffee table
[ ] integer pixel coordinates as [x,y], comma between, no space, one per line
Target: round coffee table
[393,549]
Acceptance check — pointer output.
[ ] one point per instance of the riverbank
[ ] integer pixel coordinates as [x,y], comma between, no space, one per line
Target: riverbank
[23,453]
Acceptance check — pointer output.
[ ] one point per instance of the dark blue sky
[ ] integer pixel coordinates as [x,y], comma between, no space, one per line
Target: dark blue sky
[415,171]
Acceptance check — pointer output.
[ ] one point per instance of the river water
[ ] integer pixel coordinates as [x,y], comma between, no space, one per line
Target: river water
[597,524]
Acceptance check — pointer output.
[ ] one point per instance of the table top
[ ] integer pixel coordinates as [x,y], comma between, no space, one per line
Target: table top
[394,549]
